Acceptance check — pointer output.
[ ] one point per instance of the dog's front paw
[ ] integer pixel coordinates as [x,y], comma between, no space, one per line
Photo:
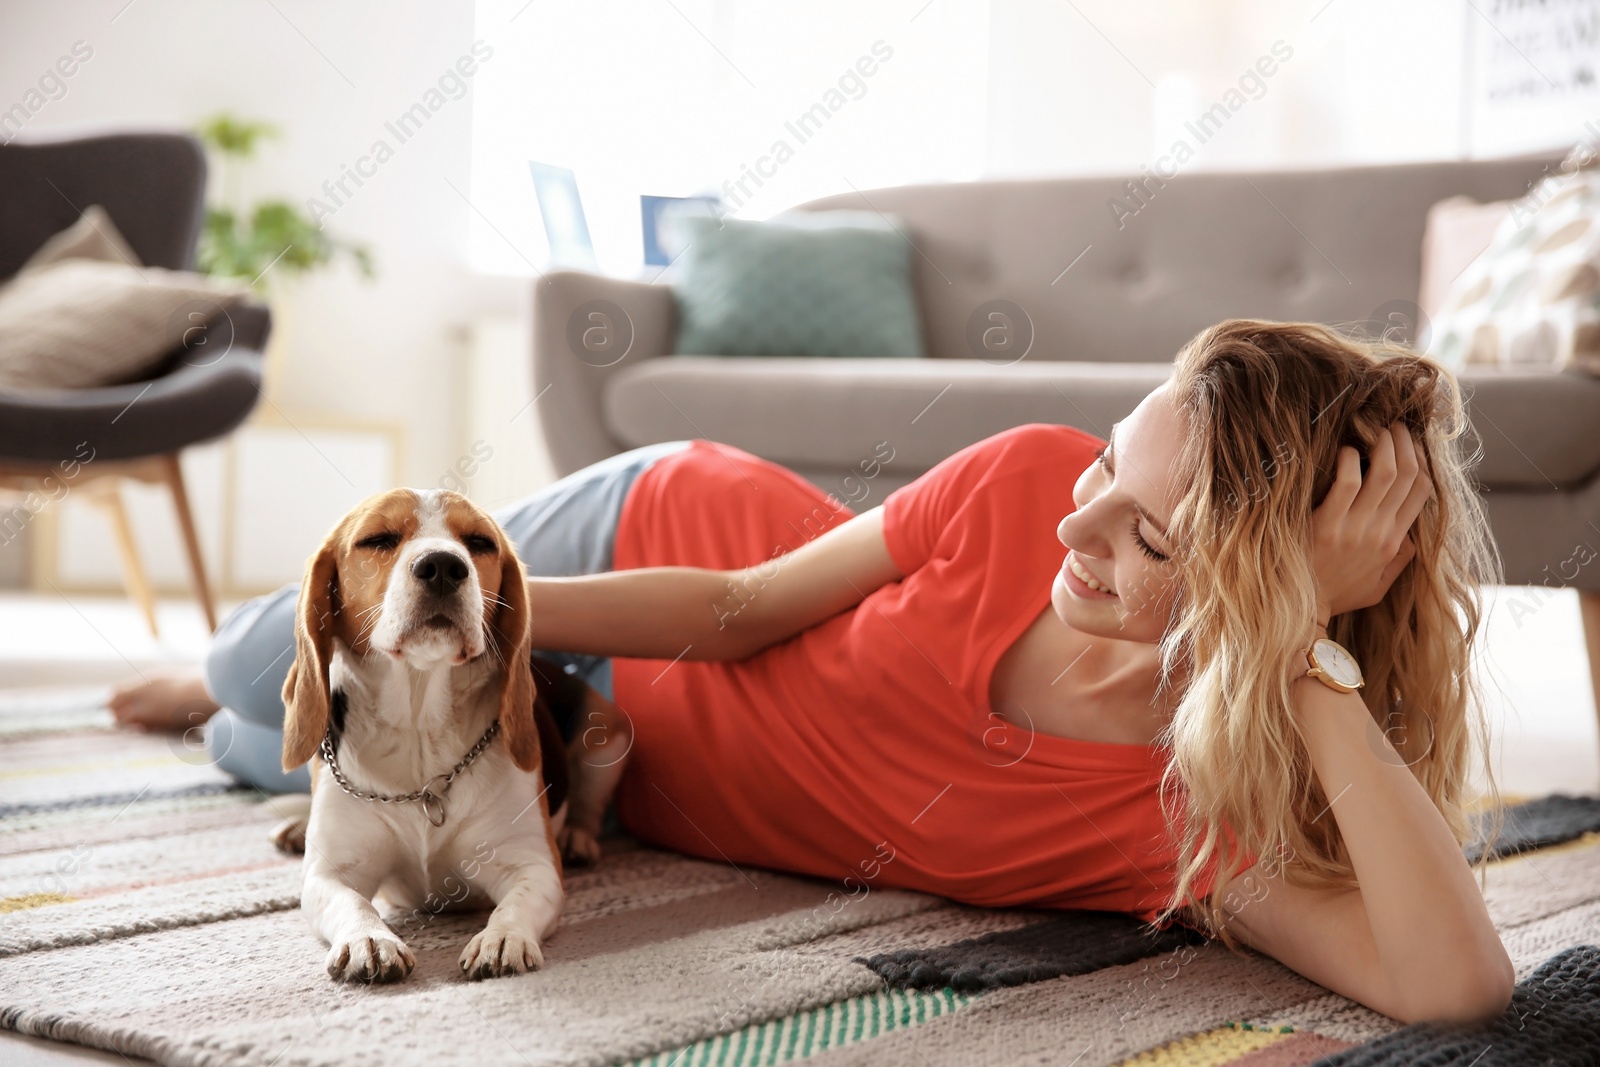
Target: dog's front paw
[578,846]
[370,959]
[496,953]
[290,835]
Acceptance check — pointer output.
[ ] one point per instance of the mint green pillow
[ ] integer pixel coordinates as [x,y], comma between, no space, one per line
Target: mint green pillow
[825,283]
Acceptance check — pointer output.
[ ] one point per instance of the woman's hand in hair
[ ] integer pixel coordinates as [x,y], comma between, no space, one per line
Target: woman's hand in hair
[1360,533]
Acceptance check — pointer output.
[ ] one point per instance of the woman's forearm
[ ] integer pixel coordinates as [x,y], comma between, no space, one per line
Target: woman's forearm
[647,613]
[1431,932]
[693,613]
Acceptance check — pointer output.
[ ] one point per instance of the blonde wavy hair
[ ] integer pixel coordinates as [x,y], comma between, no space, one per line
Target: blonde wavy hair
[1267,406]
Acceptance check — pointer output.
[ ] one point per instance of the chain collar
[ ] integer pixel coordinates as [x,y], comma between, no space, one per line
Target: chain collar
[432,798]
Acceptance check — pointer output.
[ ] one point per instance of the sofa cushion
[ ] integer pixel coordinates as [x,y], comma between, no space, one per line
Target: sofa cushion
[1529,299]
[811,414]
[1457,232]
[1536,426]
[834,283]
[815,415]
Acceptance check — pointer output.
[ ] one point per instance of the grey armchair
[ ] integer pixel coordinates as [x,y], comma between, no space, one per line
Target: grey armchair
[57,441]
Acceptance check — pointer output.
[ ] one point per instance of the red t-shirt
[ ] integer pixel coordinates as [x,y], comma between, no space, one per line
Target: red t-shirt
[871,734]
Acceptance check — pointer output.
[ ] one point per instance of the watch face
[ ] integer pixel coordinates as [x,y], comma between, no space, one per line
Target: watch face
[1336,662]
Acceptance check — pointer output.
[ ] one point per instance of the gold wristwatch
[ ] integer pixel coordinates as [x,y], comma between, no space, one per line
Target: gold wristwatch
[1331,663]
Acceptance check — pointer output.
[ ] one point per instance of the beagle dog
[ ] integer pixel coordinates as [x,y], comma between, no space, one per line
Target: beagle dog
[439,775]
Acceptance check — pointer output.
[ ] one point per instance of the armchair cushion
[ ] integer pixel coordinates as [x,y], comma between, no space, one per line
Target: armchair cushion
[93,236]
[78,323]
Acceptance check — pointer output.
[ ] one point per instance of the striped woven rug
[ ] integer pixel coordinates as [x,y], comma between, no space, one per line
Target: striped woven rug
[143,910]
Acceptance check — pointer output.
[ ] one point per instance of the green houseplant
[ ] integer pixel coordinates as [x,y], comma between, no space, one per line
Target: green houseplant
[272,237]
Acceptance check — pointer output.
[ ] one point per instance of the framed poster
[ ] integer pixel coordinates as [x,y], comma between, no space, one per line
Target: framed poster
[1533,75]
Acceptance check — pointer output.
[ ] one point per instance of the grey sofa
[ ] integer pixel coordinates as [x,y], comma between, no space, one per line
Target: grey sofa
[1091,310]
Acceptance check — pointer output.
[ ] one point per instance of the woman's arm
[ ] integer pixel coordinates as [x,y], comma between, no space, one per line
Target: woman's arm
[695,613]
[1414,941]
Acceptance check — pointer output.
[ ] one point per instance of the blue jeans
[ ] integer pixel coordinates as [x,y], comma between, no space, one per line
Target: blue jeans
[564,529]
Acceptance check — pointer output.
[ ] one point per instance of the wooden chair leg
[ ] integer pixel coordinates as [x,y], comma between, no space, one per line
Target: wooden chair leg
[108,495]
[191,542]
[1589,606]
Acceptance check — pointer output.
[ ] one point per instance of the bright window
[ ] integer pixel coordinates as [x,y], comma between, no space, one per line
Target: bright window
[768,105]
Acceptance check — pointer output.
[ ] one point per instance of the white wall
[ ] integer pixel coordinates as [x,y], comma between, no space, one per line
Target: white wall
[331,75]
[1105,86]
[1099,85]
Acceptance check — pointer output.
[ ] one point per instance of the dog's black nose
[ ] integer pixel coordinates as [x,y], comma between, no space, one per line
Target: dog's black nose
[441,572]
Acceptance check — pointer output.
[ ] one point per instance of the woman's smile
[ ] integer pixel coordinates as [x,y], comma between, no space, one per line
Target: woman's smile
[1081,583]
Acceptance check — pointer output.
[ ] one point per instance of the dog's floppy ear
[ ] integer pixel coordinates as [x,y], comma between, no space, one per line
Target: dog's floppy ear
[511,633]
[306,689]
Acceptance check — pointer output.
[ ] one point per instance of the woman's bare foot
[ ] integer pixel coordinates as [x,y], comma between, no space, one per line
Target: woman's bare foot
[169,701]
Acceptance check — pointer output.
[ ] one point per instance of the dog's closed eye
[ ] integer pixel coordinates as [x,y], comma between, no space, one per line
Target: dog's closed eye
[381,541]
[479,544]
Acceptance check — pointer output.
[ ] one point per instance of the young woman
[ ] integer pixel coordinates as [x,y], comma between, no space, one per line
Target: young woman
[930,693]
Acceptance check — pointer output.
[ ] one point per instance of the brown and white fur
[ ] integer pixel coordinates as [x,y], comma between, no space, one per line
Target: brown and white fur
[411,636]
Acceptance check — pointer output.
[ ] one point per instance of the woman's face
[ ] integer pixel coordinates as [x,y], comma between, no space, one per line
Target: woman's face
[1124,502]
